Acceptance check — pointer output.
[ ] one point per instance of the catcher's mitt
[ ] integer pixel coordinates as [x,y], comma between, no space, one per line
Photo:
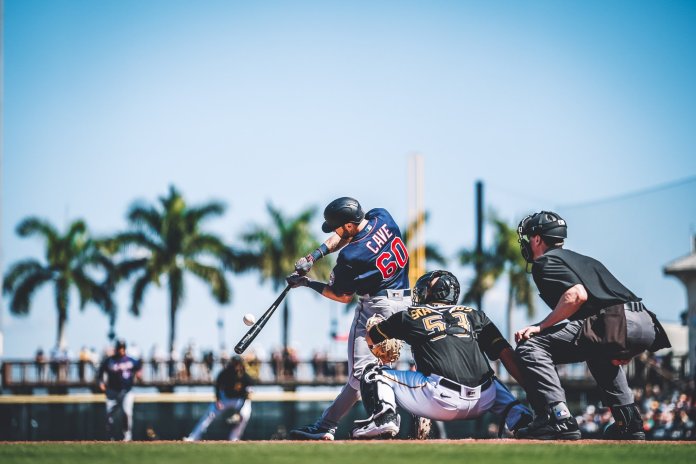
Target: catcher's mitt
[387,351]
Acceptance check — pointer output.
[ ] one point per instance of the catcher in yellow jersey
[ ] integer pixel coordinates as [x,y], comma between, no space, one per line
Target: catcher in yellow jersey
[453,379]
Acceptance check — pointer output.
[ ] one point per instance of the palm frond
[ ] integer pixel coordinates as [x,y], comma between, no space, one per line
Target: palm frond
[195,215]
[36,226]
[138,292]
[24,288]
[213,277]
[126,240]
[433,254]
[19,271]
[206,244]
[146,217]
[76,231]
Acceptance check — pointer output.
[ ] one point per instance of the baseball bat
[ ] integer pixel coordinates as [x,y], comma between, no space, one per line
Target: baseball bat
[256,328]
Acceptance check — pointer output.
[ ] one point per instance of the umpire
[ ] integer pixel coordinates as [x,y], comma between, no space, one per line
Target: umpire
[607,325]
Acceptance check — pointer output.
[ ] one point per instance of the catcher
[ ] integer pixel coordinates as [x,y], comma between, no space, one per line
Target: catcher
[453,379]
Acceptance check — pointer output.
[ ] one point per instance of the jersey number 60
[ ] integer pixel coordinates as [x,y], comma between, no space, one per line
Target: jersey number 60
[389,261]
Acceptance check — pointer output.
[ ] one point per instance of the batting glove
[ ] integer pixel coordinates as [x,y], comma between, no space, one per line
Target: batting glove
[303,265]
[296,280]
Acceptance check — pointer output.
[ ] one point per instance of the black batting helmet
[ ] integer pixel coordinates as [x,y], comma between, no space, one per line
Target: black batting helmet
[436,286]
[120,343]
[342,211]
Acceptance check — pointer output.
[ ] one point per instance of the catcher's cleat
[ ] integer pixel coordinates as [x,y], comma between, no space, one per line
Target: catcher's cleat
[545,428]
[312,432]
[422,428]
[383,427]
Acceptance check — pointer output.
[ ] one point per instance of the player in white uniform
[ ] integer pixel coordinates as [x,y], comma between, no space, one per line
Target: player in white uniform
[453,379]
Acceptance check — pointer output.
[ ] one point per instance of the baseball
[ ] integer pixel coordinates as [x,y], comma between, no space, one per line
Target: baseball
[249,319]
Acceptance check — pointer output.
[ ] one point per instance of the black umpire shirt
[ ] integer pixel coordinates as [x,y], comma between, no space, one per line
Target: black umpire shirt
[446,340]
[558,269]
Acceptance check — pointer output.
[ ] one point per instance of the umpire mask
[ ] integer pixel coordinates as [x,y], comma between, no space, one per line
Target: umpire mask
[525,247]
[547,224]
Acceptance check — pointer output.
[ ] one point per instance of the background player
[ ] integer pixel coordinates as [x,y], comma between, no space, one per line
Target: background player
[580,289]
[116,376]
[453,379]
[372,263]
[231,393]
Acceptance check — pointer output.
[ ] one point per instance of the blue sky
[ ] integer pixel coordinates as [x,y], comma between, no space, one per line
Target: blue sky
[296,103]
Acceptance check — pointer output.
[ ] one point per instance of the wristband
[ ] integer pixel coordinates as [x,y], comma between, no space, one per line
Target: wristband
[317,286]
[320,252]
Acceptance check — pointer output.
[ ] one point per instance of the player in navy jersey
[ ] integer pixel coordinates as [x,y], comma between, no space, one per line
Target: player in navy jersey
[373,264]
[116,376]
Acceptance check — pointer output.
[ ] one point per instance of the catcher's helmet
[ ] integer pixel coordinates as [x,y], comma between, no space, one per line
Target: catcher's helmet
[342,211]
[436,286]
[546,223]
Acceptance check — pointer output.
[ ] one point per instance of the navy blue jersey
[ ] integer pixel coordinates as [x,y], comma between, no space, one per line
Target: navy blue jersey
[375,259]
[120,372]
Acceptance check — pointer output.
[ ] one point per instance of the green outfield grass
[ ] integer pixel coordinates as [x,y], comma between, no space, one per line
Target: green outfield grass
[346,453]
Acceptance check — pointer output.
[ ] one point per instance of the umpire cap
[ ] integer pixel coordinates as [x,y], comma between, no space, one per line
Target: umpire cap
[342,211]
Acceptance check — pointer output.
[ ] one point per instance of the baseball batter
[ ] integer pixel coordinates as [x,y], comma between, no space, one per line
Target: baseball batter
[116,376]
[453,379]
[372,263]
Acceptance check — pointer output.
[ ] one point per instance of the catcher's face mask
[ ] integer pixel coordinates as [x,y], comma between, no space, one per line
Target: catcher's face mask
[436,286]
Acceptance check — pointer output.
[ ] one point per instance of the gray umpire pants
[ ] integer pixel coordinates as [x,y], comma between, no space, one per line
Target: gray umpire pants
[359,355]
[540,354]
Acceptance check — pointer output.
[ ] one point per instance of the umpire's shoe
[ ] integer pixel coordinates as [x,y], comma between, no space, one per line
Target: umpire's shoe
[385,426]
[312,432]
[627,425]
[550,428]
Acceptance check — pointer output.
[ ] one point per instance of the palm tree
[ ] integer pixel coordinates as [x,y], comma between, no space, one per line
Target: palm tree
[274,250]
[519,285]
[69,257]
[169,243]
[113,274]
[433,254]
[502,258]
[490,268]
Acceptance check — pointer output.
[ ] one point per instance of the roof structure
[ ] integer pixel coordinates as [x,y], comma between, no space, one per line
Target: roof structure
[682,267]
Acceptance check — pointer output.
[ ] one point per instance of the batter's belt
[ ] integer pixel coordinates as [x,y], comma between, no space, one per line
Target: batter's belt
[389,293]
